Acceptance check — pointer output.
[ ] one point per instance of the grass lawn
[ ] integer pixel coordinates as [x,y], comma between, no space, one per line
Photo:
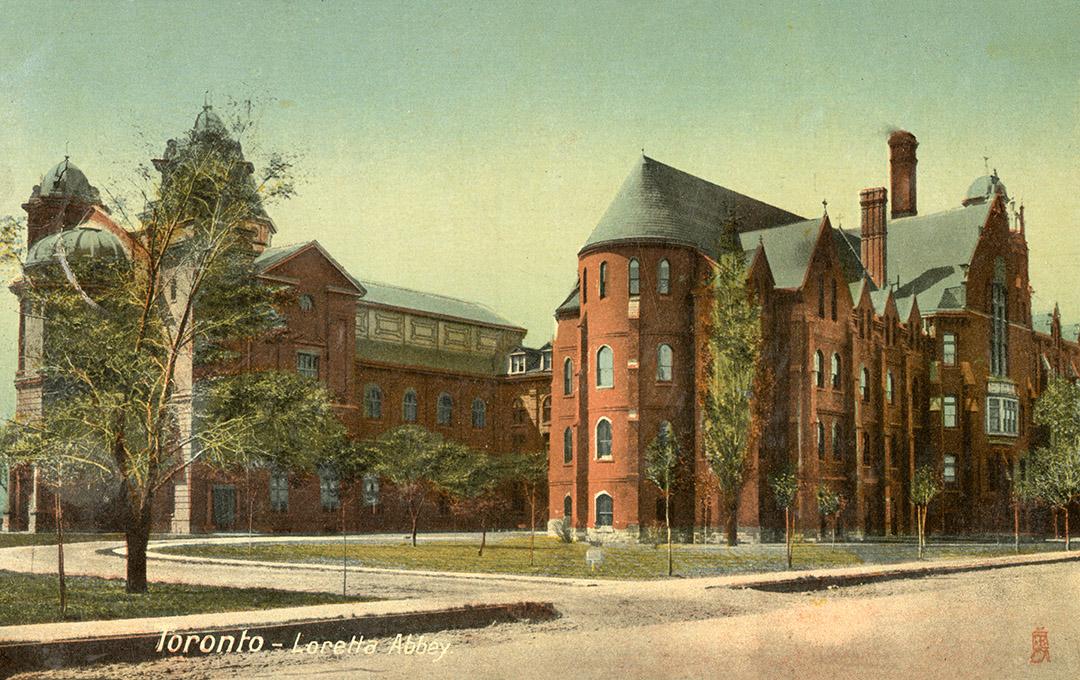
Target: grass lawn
[26,599]
[553,558]
[8,540]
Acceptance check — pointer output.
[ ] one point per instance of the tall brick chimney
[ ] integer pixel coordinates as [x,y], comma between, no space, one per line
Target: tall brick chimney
[874,232]
[902,145]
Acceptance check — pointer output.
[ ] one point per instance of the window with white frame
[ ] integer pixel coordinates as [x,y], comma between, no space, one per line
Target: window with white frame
[517,363]
[409,406]
[545,410]
[634,278]
[329,488]
[545,360]
[373,402]
[602,290]
[1002,415]
[568,377]
[605,510]
[605,367]
[663,277]
[444,410]
[948,349]
[836,371]
[479,414]
[819,369]
[307,364]
[603,438]
[279,491]
[948,410]
[664,361]
[949,471]
[890,392]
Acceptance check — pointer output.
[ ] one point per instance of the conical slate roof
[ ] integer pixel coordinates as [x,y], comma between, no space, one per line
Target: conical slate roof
[659,203]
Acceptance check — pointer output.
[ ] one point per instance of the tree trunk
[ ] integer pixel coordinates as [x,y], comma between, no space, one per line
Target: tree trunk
[733,522]
[788,527]
[919,523]
[832,528]
[344,553]
[413,517]
[1016,527]
[1066,528]
[60,555]
[667,521]
[483,536]
[532,527]
[251,509]
[137,535]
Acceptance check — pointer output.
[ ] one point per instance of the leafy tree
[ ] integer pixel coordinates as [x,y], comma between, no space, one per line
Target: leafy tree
[925,486]
[830,503]
[530,470]
[416,462]
[662,459]
[119,338]
[735,390]
[785,487]
[474,480]
[1054,470]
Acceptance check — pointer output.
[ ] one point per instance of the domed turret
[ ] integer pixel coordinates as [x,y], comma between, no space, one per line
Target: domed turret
[208,121]
[65,180]
[984,188]
[83,242]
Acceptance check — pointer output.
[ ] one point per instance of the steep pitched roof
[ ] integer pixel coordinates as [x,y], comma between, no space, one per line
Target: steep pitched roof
[432,303]
[572,303]
[272,257]
[659,203]
[788,249]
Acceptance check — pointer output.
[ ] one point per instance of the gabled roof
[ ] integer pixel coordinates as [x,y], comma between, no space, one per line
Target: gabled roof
[273,257]
[788,249]
[432,303]
[572,303]
[660,203]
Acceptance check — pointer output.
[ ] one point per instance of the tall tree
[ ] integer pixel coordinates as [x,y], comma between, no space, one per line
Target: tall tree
[785,487]
[415,461]
[662,460]
[474,480]
[735,390]
[119,332]
[925,486]
[1054,470]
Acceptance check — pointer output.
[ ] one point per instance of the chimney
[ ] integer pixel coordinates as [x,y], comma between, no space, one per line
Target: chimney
[902,145]
[874,233]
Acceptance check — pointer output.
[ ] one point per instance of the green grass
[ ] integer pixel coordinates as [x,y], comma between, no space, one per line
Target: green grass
[553,558]
[26,599]
[8,540]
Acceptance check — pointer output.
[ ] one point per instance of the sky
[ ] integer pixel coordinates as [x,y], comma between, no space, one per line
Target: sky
[470,148]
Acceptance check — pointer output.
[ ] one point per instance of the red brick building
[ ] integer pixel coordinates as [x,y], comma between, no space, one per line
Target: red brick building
[388,355]
[910,342]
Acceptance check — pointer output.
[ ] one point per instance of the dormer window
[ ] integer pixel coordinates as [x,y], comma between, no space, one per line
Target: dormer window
[517,363]
[545,360]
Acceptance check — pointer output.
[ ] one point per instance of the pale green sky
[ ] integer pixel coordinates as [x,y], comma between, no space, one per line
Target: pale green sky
[469,148]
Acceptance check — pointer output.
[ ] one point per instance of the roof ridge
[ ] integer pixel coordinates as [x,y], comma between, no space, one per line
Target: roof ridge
[425,292]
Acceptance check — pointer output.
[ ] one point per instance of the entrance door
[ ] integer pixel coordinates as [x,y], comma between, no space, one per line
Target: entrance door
[224,506]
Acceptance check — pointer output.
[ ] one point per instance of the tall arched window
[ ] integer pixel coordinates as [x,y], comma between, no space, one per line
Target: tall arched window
[584,286]
[408,406]
[836,371]
[605,367]
[834,299]
[568,445]
[889,387]
[837,450]
[372,402]
[634,277]
[664,363]
[545,410]
[864,384]
[603,280]
[567,506]
[820,439]
[603,438]
[567,376]
[605,510]
[479,414]
[999,336]
[819,369]
[821,296]
[519,413]
[663,277]
[444,411]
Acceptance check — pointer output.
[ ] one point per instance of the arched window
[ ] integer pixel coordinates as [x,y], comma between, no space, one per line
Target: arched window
[520,415]
[605,510]
[836,371]
[568,445]
[663,277]
[567,376]
[837,449]
[584,286]
[634,277]
[663,363]
[821,296]
[408,406]
[819,369]
[820,439]
[889,387]
[545,410]
[603,280]
[834,299]
[605,367]
[479,414]
[372,402]
[864,384]
[603,438]
[567,506]
[444,412]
